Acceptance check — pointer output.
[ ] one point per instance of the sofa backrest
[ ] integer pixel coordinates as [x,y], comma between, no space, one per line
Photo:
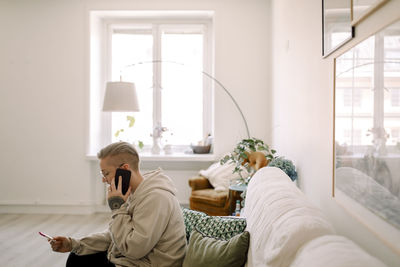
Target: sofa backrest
[333,251]
[279,218]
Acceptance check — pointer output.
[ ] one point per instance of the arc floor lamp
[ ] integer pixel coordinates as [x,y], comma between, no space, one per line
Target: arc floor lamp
[121,96]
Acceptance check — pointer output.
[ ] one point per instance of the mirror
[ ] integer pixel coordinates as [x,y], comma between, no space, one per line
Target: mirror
[367,130]
[336,25]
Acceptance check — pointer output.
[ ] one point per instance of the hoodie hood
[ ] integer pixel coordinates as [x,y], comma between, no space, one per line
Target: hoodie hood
[154,180]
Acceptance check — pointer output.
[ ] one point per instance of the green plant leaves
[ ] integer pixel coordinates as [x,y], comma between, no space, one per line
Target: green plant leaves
[118,132]
[140,144]
[131,120]
[225,159]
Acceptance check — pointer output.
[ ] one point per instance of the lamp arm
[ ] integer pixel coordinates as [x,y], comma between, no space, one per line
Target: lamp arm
[151,61]
[205,74]
[233,100]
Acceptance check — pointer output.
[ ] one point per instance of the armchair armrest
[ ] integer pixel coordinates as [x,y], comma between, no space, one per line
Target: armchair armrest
[197,183]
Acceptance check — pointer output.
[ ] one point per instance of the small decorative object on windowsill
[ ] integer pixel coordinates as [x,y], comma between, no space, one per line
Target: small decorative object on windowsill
[157,135]
[201,149]
[168,149]
[203,146]
[165,141]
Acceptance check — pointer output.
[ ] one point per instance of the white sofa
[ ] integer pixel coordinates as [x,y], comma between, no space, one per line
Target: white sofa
[287,230]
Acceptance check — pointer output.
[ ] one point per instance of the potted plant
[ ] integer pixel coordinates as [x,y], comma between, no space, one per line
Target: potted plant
[240,155]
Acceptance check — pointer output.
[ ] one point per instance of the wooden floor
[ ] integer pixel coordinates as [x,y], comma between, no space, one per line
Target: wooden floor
[21,245]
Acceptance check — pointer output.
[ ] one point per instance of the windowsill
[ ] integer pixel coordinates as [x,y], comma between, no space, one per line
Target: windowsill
[175,162]
[176,157]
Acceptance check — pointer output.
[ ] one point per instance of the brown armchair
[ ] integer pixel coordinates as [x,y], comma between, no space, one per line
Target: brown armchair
[204,198]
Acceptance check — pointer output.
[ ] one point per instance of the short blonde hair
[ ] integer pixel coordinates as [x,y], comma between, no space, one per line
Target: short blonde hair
[120,153]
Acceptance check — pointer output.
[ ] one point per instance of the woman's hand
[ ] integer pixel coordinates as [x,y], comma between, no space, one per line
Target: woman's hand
[61,244]
[117,192]
[115,197]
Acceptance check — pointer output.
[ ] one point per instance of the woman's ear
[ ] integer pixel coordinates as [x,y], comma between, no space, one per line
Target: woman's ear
[125,166]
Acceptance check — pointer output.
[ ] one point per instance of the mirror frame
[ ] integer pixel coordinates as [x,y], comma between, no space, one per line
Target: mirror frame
[325,33]
[373,220]
[377,4]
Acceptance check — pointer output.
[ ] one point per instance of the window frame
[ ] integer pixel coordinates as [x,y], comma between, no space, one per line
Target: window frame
[108,23]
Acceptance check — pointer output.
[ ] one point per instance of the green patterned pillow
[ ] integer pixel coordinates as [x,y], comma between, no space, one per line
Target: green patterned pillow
[191,218]
[223,228]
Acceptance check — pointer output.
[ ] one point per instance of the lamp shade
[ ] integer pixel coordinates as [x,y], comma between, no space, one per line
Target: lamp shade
[120,96]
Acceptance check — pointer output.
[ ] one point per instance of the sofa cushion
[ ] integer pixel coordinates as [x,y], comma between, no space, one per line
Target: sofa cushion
[279,218]
[333,251]
[191,218]
[222,228]
[207,251]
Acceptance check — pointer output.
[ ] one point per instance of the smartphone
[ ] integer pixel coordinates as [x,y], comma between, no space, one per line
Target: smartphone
[126,177]
[46,236]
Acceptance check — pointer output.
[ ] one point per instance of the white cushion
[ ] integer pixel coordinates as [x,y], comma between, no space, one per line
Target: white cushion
[220,176]
[333,251]
[279,218]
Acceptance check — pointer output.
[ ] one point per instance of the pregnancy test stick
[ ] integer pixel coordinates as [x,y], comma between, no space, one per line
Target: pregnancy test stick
[44,235]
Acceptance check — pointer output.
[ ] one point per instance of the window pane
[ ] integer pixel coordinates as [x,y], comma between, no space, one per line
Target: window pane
[182,87]
[128,49]
[392,89]
[392,129]
[353,132]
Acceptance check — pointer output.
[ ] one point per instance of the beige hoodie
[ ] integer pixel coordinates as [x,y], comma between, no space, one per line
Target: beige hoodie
[147,230]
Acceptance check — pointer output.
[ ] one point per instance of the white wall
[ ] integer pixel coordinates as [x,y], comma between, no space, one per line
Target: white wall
[302,107]
[44,89]
[44,97]
[43,109]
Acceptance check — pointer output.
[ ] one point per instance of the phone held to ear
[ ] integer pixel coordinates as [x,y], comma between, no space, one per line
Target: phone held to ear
[126,177]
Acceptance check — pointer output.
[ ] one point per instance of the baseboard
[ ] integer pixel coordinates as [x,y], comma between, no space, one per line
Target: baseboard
[53,209]
[57,209]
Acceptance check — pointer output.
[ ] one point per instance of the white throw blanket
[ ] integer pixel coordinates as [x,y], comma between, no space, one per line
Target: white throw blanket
[333,251]
[220,176]
[279,218]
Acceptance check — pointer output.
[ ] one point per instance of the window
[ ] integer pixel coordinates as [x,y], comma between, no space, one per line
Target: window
[129,48]
[396,134]
[352,97]
[164,54]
